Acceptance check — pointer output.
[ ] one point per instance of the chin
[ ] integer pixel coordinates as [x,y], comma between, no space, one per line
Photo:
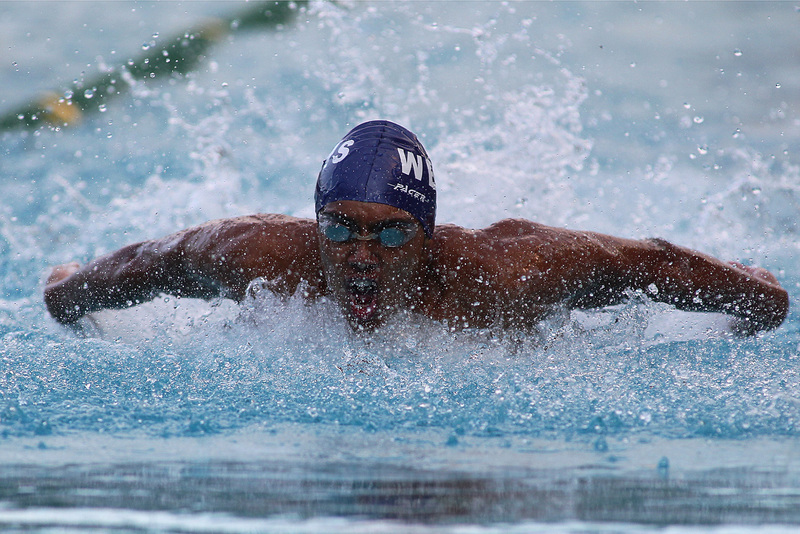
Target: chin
[365,318]
[362,322]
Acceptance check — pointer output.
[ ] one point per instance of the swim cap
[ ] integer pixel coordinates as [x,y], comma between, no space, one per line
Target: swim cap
[382,162]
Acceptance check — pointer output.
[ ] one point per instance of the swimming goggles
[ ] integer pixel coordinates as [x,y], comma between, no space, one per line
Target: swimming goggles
[390,234]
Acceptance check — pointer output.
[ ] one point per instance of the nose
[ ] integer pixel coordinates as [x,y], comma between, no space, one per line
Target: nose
[363,254]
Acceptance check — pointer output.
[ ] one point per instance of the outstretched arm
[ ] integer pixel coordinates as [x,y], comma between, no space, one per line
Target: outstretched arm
[685,278]
[216,259]
[529,268]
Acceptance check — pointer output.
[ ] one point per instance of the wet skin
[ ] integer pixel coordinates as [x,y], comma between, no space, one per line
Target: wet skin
[510,274]
[368,280]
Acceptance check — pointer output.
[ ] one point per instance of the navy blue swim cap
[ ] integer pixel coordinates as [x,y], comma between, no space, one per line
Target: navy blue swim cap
[381,162]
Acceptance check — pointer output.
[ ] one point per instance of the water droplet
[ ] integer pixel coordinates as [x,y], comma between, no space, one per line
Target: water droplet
[737,53]
[687,105]
[698,120]
[102,108]
[145,46]
[777,86]
[155,35]
[89,93]
[737,133]
[703,150]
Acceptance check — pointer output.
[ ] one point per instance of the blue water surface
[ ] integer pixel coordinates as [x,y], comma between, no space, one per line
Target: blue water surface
[654,119]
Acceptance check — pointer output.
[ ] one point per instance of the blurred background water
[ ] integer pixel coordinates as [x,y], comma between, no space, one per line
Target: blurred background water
[636,119]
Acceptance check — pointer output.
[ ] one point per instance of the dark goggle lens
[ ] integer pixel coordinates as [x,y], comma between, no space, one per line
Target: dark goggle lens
[337,232]
[394,236]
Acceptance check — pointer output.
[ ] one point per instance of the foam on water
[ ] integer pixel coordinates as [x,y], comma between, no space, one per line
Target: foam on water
[516,126]
[217,369]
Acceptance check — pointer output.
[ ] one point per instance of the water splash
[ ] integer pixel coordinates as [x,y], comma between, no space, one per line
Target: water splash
[205,369]
[504,121]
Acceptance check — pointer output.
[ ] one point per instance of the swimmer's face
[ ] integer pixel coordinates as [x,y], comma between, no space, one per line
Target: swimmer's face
[368,279]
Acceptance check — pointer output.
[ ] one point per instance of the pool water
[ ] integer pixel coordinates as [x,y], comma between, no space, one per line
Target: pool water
[672,120]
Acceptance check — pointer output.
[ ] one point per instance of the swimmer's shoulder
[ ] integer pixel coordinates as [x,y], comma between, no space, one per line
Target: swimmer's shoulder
[477,275]
[254,229]
[502,252]
[264,222]
[452,240]
[261,237]
[271,246]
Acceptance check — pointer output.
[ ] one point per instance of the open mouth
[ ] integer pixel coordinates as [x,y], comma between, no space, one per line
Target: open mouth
[363,293]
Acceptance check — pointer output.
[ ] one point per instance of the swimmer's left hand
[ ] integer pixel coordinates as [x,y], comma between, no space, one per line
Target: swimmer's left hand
[749,326]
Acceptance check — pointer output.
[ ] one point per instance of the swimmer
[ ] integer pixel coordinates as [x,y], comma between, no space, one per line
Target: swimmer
[374,249]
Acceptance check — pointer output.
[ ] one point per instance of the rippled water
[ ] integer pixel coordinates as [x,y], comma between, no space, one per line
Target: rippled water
[639,120]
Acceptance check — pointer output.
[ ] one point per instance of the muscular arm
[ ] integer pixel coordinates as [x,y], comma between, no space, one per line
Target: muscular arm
[523,269]
[218,258]
[687,279]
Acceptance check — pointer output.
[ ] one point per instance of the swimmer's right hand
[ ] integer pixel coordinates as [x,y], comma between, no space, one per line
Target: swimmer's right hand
[62,271]
[54,295]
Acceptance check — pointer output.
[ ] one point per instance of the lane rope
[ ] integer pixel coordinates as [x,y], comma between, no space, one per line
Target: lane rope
[178,55]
